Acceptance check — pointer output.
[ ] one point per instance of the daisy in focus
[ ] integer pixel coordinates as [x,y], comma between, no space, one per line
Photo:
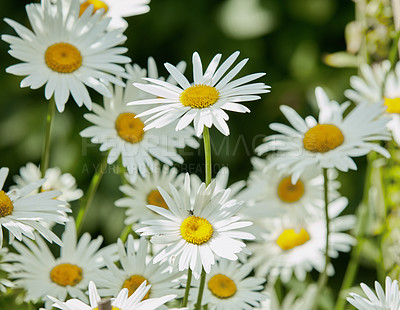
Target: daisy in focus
[116,10]
[145,192]
[137,267]
[388,300]
[204,101]
[329,143]
[22,213]
[228,286]
[270,191]
[55,180]
[296,249]
[378,85]
[197,230]
[118,129]
[121,302]
[66,52]
[35,269]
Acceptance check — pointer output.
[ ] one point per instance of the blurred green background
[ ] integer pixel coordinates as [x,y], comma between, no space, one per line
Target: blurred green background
[287,39]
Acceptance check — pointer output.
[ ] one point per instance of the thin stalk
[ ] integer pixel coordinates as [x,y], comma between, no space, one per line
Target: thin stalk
[125,233]
[207,153]
[201,289]
[187,289]
[87,200]
[323,277]
[44,162]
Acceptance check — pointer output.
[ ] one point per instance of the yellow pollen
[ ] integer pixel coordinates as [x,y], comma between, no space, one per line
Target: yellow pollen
[289,239]
[196,230]
[6,205]
[66,274]
[112,308]
[393,105]
[155,199]
[322,138]
[63,58]
[221,286]
[289,192]
[129,128]
[97,6]
[133,282]
[199,96]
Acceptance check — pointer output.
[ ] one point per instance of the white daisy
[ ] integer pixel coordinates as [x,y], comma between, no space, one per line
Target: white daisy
[272,192]
[289,249]
[203,101]
[388,300]
[378,85]
[121,302]
[4,283]
[136,267]
[65,182]
[291,301]
[329,143]
[117,129]
[144,192]
[116,10]
[228,286]
[35,268]
[67,52]
[22,213]
[197,230]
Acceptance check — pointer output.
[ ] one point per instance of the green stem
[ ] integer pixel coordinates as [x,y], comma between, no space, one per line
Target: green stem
[207,152]
[187,289]
[125,233]
[87,200]
[44,163]
[201,289]
[393,55]
[323,277]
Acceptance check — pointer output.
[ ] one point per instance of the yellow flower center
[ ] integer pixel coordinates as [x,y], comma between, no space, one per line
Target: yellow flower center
[112,308]
[289,192]
[221,286]
[393,105]
[6,205]
[155,199]
[97,6]
[63,58]
[322,138]
[289,239]
[196,230]
[133,282]
[199,96]
[129,128]
[66,274]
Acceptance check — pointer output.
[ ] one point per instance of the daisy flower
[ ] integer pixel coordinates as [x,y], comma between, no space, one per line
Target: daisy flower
[272,192]
[228,286]
[118,130]
[329,143]
[121,302]
[55,180]
[388,300]
[137,267]
[67,52]
[22,213]
[35,269]
[205,100]
[145,192]
[196,230]
[378,85]
[116,10]
[293,248]
[4,283]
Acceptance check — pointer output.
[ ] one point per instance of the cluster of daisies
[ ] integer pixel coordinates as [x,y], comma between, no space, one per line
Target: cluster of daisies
[188,243]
